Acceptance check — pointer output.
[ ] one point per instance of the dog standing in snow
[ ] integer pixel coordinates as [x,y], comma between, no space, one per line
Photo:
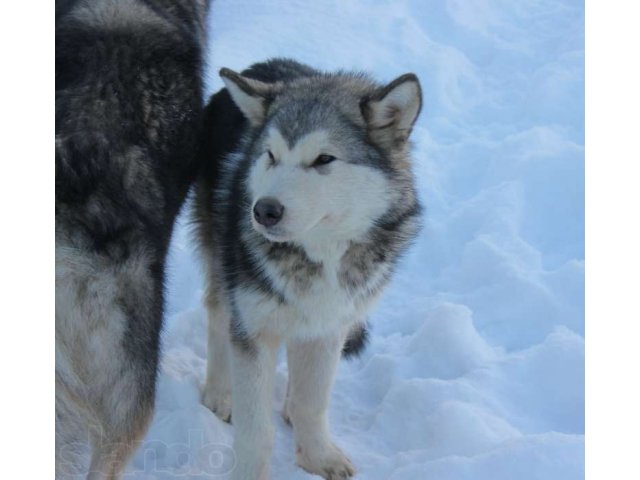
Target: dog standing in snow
[128,112]
[305,205]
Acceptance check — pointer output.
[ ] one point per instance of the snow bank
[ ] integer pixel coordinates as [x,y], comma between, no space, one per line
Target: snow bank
[476,363]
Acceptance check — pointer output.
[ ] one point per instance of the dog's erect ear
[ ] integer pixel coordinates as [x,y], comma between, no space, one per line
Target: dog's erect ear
[393,109]
[251,96]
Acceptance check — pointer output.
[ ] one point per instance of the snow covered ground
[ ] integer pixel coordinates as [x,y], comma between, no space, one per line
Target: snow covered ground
[476,363]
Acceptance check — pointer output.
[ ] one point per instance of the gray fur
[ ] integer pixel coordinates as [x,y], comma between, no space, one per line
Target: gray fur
[128,113]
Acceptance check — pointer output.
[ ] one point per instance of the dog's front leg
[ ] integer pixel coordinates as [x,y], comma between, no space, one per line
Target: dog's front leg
[216,394]
[312,366]
[253,368]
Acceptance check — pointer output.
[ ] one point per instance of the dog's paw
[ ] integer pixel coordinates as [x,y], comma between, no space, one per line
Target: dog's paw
[219,402]
[330,463]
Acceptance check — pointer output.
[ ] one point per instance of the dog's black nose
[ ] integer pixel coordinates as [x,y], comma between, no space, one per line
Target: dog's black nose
[268,211]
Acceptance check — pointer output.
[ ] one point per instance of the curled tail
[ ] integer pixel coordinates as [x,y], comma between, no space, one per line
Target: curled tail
[356,342]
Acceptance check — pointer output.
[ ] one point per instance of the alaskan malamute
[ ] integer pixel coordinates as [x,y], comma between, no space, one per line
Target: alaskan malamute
[305,205]
[128,111]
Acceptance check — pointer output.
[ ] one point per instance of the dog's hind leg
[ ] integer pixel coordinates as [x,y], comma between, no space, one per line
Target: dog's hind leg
[216,394]
[121,420]
[107,341]
[312,366]
[108,460]
[111,453]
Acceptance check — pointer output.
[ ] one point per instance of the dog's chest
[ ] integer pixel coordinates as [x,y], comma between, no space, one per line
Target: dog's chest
[321,306]
[317,300]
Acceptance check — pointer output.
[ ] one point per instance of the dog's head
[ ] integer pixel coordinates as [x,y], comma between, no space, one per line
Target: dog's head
[329,153]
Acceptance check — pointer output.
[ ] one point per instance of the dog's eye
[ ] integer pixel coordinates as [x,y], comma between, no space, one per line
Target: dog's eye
[272,159]
[323,160]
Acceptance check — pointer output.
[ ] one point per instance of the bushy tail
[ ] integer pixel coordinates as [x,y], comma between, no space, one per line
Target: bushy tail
[356,342]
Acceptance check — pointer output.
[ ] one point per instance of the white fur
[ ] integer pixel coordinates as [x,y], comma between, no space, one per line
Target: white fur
[217,390]
[312,366]
[320,208]
[252,376]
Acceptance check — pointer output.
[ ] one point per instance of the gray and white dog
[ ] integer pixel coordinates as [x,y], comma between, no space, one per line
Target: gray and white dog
[304,208]
[128,115]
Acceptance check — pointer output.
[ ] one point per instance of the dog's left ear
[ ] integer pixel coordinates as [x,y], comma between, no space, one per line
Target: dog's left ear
[392,110]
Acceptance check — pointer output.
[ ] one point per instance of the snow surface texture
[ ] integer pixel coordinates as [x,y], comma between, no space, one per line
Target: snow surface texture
[476,363]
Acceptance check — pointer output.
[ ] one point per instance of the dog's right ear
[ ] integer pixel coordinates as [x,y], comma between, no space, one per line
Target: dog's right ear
[251,96]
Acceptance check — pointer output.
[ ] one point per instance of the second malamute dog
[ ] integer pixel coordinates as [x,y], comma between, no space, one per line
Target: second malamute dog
[306,204]
[128,112]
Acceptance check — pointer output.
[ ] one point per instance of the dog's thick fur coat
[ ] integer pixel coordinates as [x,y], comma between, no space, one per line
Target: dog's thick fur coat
[304,206]
[128,116]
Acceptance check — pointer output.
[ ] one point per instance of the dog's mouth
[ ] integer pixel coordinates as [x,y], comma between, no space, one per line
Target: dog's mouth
[276,237]
[273,234]
[278,234]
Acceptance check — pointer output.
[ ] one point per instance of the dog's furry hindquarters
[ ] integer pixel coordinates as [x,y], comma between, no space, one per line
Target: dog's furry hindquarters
[128,117]
[303,208]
